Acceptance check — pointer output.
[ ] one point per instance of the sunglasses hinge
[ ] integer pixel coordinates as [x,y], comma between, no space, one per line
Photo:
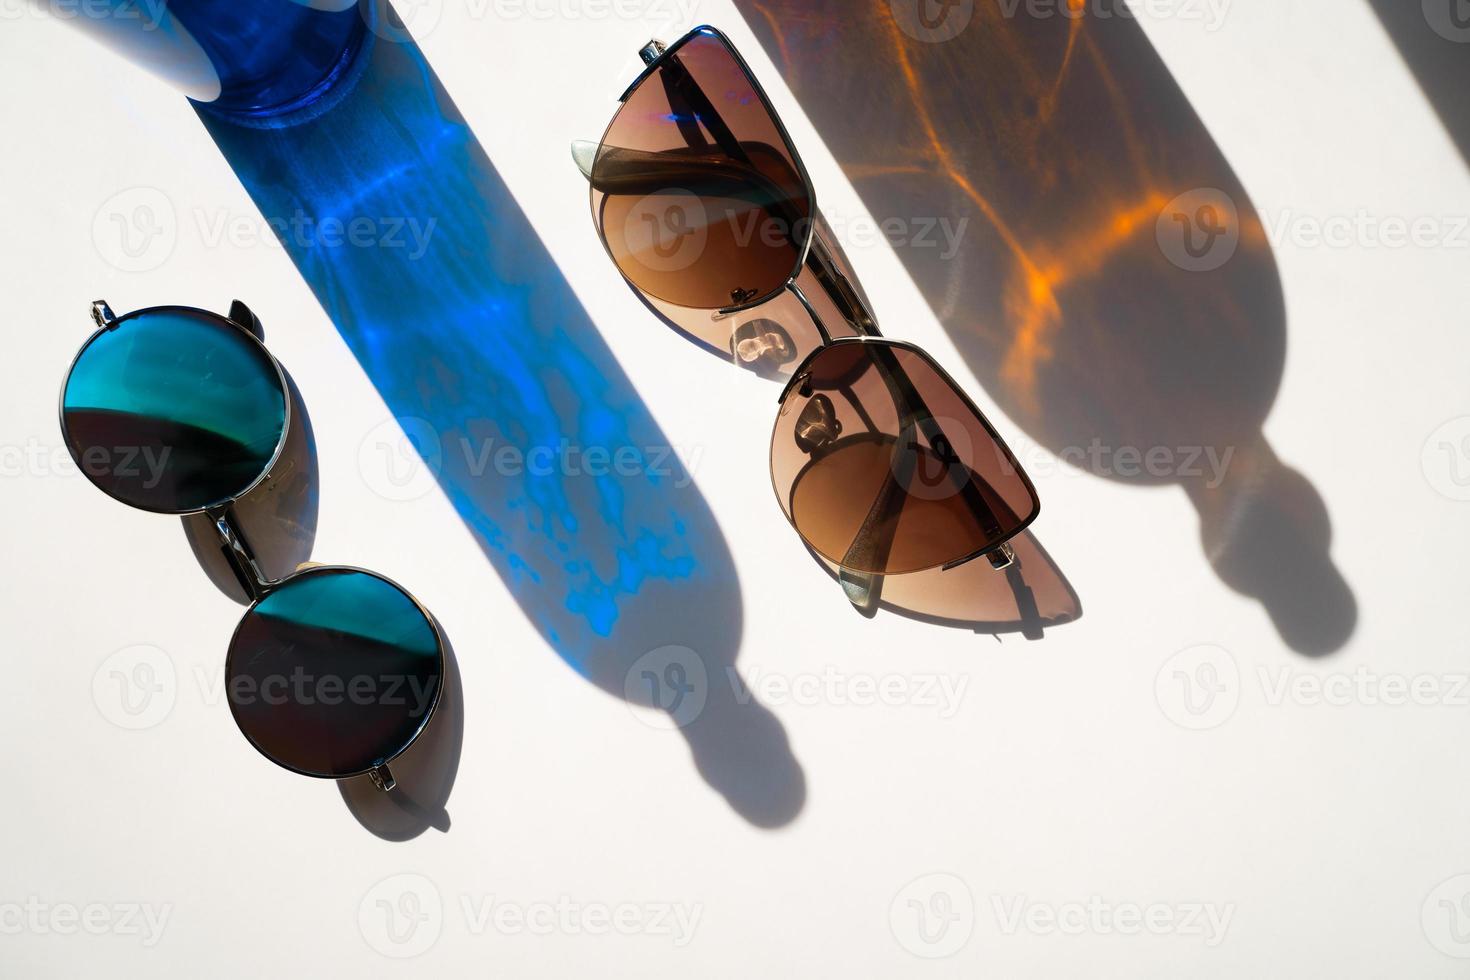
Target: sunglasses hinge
[382,777]
[102,315]
[650,52]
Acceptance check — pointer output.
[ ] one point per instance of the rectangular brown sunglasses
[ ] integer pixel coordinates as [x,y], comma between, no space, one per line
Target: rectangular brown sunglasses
[878,459]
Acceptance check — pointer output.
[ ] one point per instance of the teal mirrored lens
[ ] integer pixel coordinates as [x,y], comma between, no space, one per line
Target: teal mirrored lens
[333,672]
[173,410]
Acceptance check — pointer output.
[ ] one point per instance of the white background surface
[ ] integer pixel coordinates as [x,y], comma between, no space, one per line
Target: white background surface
[1328,834]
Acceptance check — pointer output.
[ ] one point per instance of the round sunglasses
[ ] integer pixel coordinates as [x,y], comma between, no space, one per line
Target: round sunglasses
[879,460]
[333,671]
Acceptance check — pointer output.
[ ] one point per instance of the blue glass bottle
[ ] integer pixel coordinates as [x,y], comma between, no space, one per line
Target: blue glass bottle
[246,58]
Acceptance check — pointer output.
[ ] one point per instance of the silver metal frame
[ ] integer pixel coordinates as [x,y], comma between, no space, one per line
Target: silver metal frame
[816,254]
[233,544]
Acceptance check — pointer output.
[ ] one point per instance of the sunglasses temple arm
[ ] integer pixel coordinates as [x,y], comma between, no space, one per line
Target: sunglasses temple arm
[874,538]
[240,555]
[837,287]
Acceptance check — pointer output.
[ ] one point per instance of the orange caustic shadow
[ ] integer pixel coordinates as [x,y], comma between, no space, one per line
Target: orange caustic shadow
[1113,287]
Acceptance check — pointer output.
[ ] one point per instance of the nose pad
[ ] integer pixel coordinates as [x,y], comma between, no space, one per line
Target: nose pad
[817,425]
[762,343]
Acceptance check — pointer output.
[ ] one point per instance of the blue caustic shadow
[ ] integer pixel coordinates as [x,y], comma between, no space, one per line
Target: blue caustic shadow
[476,342]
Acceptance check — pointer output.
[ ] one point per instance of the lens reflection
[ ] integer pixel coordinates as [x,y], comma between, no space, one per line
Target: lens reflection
[335,671]
[696,192]
[173,410]
[884,466]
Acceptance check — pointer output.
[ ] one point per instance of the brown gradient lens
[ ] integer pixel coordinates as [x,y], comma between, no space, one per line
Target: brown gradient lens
[773,337]
[696,192]
[884,466]
[1030,595]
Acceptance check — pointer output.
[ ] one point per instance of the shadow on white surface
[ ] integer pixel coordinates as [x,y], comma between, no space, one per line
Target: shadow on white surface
[1434,38]
[478,345]
[1115,291]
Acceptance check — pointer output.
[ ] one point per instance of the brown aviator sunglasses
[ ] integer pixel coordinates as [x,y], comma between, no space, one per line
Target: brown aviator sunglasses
[878,459]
